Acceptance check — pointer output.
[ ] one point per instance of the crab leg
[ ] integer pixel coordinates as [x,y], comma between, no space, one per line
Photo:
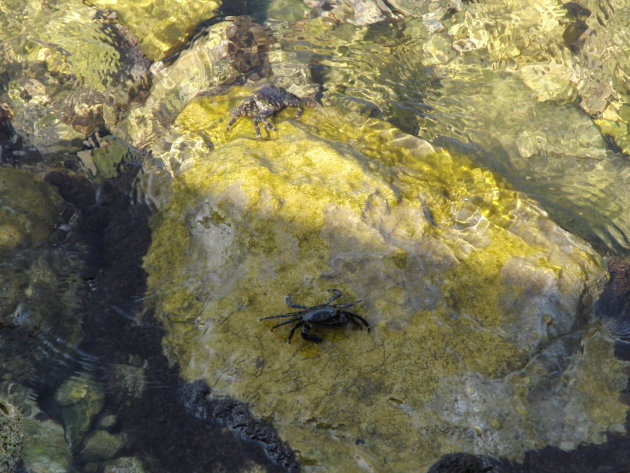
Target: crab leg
[290,303]
[285,322]
[231,122]
[299,324]
[258,135]
[351,319]
[349,304]
[306,335]
[290,314]
[337,294]
[352,316]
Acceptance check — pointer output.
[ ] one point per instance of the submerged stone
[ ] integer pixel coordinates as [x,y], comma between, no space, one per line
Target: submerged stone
[81,399]
[28,209]
[11,436]
[124,465]
[161,25]
[69,71]
[101,445]
[477,300]
[38,443]
[45,448]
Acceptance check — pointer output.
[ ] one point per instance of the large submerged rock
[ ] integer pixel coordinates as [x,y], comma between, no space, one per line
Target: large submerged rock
[161,25]
[480,304]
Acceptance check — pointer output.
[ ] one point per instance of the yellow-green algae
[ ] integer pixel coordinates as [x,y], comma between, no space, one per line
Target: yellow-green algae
[160,25]
[28,209]
[425,239]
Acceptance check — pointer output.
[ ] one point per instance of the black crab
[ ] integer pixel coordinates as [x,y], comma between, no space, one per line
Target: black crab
[326,315]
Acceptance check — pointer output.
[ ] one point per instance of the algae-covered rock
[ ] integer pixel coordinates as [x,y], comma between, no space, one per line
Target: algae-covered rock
[38,283]
[45,448]
[161,25]
[28,209]
[28,434]
[106,160]
[101,445]
[124,465]
[465,282]
[81,399]
[11,436]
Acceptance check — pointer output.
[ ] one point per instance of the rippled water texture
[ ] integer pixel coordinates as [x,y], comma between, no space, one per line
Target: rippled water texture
[513,84]
[461,167]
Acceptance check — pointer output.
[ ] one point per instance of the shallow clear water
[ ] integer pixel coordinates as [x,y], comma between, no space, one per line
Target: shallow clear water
[535,91]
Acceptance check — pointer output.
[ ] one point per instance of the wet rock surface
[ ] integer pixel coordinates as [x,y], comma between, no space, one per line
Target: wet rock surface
[479,302]
[161,26]
[11,436]
[310,208]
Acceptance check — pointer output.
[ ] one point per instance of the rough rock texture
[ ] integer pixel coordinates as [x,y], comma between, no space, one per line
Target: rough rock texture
[124,465]
[38,282]
[11,436]
[480,304]
[37,442]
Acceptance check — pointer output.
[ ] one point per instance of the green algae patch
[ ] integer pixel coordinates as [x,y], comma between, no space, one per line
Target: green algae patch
[440,252]
[160,25]
[28,209]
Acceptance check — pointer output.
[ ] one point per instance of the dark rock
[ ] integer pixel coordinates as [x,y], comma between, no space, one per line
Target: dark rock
[614,303]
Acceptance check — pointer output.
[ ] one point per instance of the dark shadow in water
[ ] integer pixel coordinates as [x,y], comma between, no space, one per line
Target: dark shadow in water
[610,457]
[170,425]
[257,9]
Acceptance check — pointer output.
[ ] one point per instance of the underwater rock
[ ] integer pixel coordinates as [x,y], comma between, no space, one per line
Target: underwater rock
[81,400]
[28,209]
[354,12]
[11,436]
[105,159]
[40,277]
[45,447]
[160,25]
[248,45]
[236,50]
[101,445]
[12,148]
[72,71]
[41,441]
[126,380]
[124,465]
[460,277]
[205,65]
[614,304]
[28,215]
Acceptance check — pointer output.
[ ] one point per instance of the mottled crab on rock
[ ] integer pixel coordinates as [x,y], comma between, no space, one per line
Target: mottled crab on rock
[263,104]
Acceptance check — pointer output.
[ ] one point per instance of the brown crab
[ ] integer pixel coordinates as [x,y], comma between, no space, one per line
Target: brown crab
[263,104]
